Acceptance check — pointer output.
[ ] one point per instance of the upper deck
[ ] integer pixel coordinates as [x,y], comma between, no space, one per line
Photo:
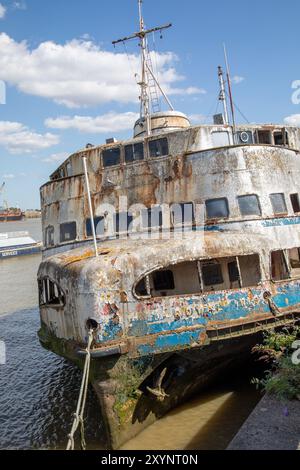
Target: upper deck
[195,165]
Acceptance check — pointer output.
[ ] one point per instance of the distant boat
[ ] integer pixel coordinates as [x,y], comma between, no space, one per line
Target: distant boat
[18,244]
[10,215]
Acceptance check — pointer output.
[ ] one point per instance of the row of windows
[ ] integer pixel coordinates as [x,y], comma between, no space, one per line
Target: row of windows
[189,278]
[250,205]
[180,214]
[135,152]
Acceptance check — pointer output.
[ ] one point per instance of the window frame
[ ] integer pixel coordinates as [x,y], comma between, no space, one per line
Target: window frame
[74,222]
[152,141]
[285,204]
[111,149]
[43,291]
[133,145]
[244,196]
[292,195]
[48,228]
[225,199]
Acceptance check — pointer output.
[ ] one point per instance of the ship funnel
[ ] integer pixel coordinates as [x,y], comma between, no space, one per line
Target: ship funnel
[165,121]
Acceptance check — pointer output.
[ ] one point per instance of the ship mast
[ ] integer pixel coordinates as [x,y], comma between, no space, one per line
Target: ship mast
[222,96]
[145,97]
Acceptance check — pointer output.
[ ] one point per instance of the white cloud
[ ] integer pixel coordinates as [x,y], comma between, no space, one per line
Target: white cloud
[197,118]
[237,79]
[80,73]
[18,138]
[110,122]
[293,120]
[9,177]
[2,11]
[19,5]
[56,158]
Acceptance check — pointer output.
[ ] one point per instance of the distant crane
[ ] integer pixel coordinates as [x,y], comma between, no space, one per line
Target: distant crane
[2,192]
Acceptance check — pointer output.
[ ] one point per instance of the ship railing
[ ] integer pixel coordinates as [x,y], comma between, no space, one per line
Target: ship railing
[220,332]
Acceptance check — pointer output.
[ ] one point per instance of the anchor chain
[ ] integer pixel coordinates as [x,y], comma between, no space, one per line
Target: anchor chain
[78,415]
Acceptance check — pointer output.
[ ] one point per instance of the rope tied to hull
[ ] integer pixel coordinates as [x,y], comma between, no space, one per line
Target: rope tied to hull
[79,414]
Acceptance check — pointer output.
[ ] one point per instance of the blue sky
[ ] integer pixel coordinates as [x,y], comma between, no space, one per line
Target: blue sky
[66,85]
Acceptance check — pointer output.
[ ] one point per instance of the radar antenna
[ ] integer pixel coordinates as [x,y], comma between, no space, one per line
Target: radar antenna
[148,80]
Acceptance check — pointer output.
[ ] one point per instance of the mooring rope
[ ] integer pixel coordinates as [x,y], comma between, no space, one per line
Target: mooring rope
[78,415]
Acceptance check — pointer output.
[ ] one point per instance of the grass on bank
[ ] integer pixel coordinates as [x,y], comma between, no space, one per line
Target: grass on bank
[282,355]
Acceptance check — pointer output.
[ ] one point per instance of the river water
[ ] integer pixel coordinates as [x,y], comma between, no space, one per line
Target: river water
[39,391]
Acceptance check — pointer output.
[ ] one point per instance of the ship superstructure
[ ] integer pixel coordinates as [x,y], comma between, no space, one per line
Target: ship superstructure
[177,247]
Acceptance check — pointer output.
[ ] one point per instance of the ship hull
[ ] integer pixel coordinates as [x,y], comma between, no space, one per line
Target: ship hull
[134,392]
[11,218]
[15,252]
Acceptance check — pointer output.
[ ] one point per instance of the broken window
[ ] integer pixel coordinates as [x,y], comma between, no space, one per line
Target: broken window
[281,138]
[49,236]
[264,137]
[212,274]
[217,208]
[111,156]
[163,280]
[158,147]
[68,232]
[233,272]
[278,203]
[294,260]
[250,270]
[50,293]
[195,277]
[142,289]
[295,202]
[279,265]
[134,152]
[249,205]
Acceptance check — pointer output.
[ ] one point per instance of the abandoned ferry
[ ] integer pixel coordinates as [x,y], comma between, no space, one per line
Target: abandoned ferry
[176,283]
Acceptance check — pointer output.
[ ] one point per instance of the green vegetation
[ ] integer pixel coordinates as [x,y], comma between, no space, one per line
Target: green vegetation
[283,377]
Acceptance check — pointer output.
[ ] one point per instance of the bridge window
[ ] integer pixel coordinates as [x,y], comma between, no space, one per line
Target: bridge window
[249,205]
[217,208]
[264,137]
[158,147]
[278,203]
[111,156]
[295,202]
[99,226]
[49,236]
[50,293]
[281,138]
[68,232]
[134,152]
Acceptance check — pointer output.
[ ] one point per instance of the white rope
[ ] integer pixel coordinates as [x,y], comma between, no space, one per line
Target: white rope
[78,415]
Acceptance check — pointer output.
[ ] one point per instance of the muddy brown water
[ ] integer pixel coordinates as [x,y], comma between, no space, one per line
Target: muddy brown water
[39,391]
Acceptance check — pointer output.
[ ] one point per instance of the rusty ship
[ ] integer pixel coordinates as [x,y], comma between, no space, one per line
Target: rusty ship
[7,214]
[176,248]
